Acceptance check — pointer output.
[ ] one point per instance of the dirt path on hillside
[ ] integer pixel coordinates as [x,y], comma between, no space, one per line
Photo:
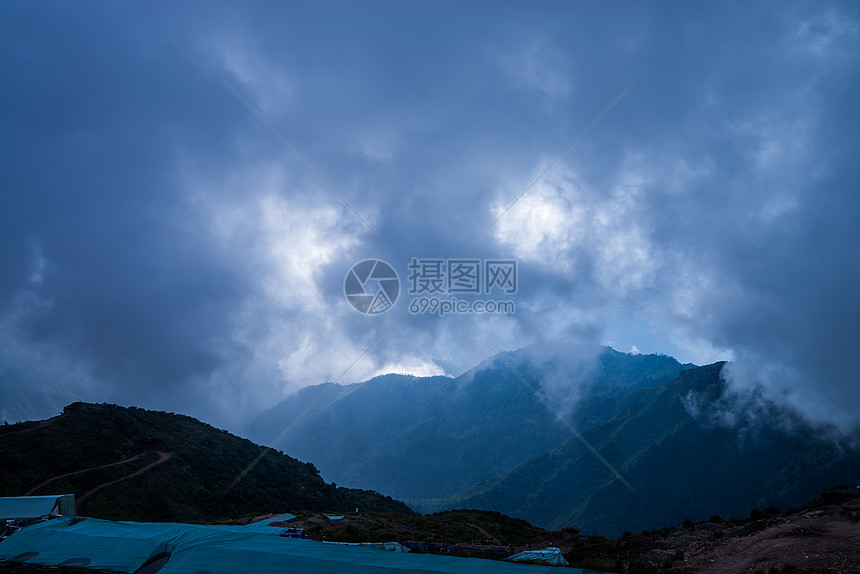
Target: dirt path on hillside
[162,457]
[52,479]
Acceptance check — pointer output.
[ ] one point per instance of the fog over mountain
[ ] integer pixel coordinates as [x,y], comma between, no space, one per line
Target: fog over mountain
[645,443]
[425,439]
[687,450]
[162,245]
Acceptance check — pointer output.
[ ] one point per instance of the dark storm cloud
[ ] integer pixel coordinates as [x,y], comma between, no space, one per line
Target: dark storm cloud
[163,247]
[92,121]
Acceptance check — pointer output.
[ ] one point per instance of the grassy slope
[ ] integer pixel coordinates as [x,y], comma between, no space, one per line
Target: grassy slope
[190,486]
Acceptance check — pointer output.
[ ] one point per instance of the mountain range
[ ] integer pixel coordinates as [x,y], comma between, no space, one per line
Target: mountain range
[682,439]
[425,438]
[561,436]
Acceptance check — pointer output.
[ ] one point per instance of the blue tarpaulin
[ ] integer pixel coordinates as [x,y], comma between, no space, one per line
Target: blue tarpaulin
[124,547]
[548,556]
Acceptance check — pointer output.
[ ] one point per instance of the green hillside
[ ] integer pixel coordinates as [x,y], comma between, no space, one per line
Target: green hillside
[185,468]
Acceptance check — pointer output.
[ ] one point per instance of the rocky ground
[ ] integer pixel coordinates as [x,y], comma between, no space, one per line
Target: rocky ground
[824,537]
[823,540]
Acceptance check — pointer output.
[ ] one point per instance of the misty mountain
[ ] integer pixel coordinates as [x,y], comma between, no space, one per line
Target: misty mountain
[425,438]
[22,403]
[692,448]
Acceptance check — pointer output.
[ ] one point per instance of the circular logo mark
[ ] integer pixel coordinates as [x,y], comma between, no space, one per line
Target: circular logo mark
[371,286]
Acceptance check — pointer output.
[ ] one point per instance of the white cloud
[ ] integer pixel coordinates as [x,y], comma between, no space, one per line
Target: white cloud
[663,171]
[563,219]
[374,142]
[536,65]
[261,80]
[762,383]
[412,365]
[286,237]
[38,265]
[261,225]
[828,35]
[543,225]
[775,141]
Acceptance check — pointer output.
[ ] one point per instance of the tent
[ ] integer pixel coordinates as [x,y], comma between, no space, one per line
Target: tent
[29,507]
[548,556]
[86,544]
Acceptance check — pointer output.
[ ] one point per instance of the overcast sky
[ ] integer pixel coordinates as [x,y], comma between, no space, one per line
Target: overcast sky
[161,246]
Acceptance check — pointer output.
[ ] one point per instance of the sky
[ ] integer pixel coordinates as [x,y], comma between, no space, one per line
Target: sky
[185,186]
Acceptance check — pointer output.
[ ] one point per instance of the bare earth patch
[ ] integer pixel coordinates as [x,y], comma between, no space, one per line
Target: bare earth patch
[822,540]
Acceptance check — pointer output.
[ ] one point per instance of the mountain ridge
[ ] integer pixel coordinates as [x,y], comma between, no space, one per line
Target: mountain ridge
[488,443]
[671,459]
[421,439]
[126,463]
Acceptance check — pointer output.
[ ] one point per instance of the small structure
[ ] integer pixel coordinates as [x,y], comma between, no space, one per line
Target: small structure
[17,512]
[33,507]
[547,556]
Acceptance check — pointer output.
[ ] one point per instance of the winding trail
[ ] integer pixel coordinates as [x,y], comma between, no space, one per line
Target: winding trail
[52,479]
[162,457]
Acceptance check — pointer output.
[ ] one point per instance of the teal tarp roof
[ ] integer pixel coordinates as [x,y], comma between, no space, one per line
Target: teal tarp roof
[263,525]
[125,546]
[390,546]
[549,556]
[16,507]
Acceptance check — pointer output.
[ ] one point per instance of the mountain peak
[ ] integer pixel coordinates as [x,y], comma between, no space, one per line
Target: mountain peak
[706,376]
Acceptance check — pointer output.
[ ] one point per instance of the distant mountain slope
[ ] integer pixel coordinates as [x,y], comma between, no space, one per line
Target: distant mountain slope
[18,403]
[133,464]
[680,465]
[426,438]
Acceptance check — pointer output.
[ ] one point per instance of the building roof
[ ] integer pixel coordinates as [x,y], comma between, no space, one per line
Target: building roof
[18,507]
[125,547]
